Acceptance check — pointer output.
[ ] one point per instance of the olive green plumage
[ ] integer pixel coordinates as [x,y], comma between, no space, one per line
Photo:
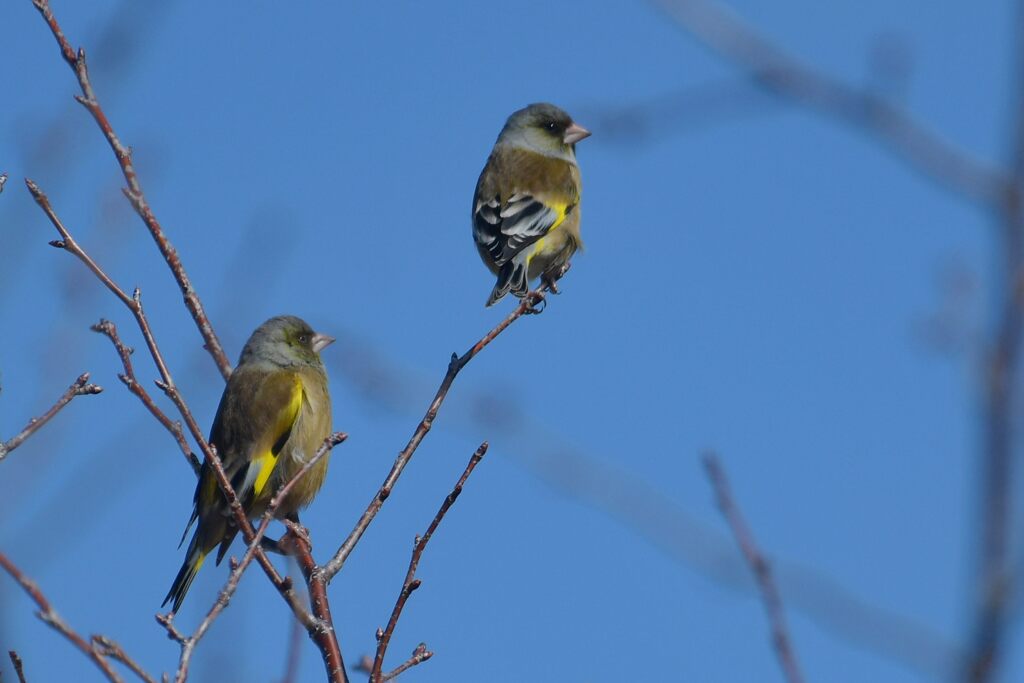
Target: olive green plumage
[273,416]
[526,217]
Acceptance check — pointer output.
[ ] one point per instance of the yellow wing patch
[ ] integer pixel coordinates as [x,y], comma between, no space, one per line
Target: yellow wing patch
[285,419]
[563,211]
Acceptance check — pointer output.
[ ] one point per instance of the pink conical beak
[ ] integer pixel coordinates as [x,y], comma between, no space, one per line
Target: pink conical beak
[575,133]
[321,342]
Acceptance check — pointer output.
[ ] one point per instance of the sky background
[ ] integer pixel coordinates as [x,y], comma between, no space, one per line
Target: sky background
[757,280]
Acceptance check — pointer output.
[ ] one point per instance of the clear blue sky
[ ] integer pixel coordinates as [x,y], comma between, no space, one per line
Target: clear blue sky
[756,281]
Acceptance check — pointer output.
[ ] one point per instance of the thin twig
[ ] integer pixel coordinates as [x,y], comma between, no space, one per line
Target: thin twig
[526,306]
[781,74]
[411,583]
[80,387]
[108,329]
[134,192]
[759,566]
[19,666]
[188,644]
[133,303]
[49,616]
[112,649]
[419,655]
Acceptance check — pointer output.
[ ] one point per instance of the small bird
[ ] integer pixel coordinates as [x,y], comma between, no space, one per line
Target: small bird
[273,416]
[526,214]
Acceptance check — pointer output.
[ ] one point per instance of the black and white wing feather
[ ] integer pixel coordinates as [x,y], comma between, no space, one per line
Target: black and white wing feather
[505,229]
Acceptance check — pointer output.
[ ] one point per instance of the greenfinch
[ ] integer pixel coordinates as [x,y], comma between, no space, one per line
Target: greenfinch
[526,214]
[273,416]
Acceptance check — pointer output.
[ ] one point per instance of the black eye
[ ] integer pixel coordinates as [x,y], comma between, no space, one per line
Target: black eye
[304,339]
[552,126]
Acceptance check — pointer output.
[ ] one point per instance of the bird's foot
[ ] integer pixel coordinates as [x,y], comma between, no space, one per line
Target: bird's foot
[534,302]
[296,533]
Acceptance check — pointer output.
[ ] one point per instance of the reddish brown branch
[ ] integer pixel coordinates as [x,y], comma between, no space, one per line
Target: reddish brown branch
[19,666]
[80,387]
[526,306]
[311,622]
[49,616]
[326,638]
[134,192]
[108,329]
[112,649]
[759,566]
[419,655]
[411,583]
[133,303]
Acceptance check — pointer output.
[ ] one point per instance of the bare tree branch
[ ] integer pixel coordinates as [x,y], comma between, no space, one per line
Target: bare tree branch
[112,649]
[525,307]
[995,580]
[758,565]
[80,387]
[411,583]
[326,637]
[134,192]
[781,74]
[109,330]
[133,303]
[419,655]
[19,667]
[49,616]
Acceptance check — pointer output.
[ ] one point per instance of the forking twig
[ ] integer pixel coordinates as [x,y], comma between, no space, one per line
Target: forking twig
[80,387]
[526,306]
[411,583]
[48,615]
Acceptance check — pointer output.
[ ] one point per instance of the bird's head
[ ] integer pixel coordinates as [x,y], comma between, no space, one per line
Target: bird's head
[543,128]
[285,341]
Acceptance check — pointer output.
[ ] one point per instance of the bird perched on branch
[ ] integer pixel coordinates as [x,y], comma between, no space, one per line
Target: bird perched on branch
[273,416]
[526,215]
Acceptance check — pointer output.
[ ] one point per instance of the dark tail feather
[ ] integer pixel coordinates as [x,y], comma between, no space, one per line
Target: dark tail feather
[512,276]
[226,543]
[187,573]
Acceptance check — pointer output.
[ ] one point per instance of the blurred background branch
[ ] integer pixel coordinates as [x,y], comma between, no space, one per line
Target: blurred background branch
[649,512]
[759,566]
[772,68]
